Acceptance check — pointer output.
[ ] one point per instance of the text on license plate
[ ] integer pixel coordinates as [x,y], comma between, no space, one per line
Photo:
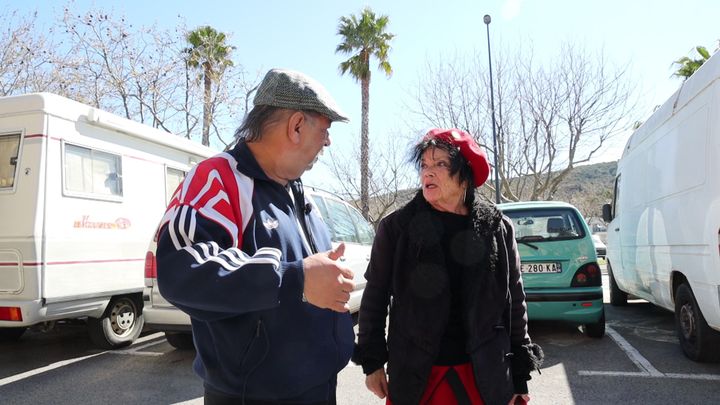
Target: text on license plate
[554,267]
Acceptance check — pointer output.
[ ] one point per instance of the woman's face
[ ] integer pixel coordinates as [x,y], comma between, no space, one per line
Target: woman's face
[442,191]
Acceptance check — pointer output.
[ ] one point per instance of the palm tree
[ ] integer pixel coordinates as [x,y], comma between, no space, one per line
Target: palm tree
[364,37]
[688,66]
[209,52]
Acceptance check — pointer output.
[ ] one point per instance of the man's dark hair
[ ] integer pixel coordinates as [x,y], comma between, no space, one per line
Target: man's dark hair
[255,121]
[260,116]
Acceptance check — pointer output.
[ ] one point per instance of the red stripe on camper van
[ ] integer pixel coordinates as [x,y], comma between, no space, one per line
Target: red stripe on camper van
[29,264]
[97,261]
[35,136]
[157,162]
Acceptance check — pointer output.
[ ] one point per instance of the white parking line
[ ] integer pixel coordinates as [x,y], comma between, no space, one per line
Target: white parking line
[646,369]
[135,350]
[22,376]
[62,363]
[632,353]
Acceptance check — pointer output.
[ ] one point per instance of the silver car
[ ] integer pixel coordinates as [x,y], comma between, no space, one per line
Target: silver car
[346,224]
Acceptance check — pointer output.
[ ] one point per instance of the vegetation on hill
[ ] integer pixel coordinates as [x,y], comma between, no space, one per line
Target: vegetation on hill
[586,187]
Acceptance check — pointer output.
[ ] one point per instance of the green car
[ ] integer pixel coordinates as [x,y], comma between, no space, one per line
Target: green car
[559,265]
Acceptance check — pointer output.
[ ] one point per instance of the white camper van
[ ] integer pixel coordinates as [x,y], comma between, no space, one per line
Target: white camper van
[663,240]
[81,192]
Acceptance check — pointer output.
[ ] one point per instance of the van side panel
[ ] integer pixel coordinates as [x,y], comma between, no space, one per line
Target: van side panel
[21,213]
[668,212]
[100,240]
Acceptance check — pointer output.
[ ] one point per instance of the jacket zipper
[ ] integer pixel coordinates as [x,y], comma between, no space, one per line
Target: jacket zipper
[258,327]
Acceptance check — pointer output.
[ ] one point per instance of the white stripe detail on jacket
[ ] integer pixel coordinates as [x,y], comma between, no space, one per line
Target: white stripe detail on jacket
[245,187]
[208,252]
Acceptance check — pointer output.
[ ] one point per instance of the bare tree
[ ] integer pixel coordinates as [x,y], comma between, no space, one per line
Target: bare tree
[550,117]
[142,73]
[392,181]
[26,56]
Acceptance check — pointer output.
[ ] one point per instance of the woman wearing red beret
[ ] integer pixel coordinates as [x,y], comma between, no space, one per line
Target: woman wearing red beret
[446,267]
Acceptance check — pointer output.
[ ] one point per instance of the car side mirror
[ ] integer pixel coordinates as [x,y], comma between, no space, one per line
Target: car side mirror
[607,212]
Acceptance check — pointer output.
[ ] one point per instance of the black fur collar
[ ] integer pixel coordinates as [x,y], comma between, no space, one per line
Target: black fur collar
[485,217]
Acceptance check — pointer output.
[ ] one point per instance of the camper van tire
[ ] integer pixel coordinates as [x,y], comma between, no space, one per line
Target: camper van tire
[618,297]
[119,326]
[180,340]
[595,330]
[11,334]
[699,342]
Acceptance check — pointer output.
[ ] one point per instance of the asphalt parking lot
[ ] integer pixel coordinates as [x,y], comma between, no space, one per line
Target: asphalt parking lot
[638,361]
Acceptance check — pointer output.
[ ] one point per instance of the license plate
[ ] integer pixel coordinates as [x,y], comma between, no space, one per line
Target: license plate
[554,267]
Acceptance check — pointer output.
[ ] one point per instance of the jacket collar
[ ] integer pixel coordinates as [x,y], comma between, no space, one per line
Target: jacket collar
[485,217]
[246,162]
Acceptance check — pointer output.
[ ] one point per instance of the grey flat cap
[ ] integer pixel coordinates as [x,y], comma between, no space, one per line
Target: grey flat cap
[296,91]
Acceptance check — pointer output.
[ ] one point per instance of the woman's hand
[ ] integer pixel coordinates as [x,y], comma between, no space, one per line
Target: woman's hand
[377,382]
[518,399]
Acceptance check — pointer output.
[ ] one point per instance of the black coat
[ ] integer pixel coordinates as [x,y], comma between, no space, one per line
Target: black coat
[407,274]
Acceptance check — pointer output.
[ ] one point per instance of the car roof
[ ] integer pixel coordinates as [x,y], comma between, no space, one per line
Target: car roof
[320,192]
[534,204]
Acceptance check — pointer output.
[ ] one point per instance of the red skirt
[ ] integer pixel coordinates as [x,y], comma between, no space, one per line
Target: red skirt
[439,392]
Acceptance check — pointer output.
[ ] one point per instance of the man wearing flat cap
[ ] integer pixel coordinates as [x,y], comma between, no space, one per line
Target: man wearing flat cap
[241,254]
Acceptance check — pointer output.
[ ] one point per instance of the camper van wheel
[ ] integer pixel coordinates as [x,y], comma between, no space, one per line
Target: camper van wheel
[597,329]
[119,326]
[11,334]
[618,298]
[699,342]
[180,340]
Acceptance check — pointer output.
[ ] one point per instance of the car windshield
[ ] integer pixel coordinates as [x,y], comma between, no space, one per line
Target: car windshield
[542,224]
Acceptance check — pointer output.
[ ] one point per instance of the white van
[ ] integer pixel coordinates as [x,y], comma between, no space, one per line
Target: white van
[345,223]
[664,234]
[81,192]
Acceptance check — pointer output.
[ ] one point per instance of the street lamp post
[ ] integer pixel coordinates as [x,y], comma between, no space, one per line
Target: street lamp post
[486,19]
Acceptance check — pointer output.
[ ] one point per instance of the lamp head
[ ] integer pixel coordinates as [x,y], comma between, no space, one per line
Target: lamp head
[486,19]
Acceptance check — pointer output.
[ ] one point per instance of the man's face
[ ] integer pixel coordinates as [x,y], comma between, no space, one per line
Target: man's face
[314,137]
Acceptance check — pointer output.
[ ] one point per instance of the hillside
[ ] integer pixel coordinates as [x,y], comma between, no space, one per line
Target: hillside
[587,187]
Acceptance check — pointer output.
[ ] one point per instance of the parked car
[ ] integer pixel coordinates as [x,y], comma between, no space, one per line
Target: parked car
[346,225]
[558,263]
[600,248]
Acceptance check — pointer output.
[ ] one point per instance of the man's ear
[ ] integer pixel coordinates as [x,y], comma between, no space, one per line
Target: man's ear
[295,122]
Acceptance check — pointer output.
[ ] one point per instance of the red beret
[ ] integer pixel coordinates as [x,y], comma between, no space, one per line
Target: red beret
[468,148]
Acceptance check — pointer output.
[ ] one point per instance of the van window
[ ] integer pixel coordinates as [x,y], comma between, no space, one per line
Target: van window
[343,224]
[320,204]
[616,198]
[366,233]
[9,147]
[173,178]
[546,224]
[92,173]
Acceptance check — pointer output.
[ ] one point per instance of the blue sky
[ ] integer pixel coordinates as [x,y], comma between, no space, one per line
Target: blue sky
[646,35]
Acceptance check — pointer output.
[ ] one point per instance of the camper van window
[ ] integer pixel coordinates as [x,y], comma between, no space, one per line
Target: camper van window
[91,172]
[173,178]
[9,146]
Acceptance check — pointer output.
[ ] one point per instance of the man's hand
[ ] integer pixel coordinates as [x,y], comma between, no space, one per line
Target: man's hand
[328,283]
[377,383]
